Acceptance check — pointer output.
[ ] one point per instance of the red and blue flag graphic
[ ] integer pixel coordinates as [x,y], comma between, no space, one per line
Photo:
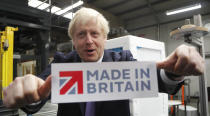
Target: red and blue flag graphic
[67,81]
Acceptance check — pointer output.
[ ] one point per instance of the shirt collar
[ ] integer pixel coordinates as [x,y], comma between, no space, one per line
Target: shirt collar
[100,60]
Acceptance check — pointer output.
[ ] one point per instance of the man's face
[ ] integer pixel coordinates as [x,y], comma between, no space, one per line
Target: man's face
[89,41]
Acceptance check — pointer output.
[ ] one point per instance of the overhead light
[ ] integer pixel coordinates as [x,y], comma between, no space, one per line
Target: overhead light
[54,9]
[183,9]
[69,15]
[69,8]
[43,6]
[34,3]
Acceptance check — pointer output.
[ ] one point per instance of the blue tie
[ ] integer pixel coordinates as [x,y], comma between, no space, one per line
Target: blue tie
[90,109]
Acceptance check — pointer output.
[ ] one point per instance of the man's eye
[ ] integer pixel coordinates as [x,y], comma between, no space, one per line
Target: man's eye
[81,33]
[94,33]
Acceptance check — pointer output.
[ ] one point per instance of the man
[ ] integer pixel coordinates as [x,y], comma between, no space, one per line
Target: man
[88,30]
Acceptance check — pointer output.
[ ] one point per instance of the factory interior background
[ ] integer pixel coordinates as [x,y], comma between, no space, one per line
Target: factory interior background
[42,31]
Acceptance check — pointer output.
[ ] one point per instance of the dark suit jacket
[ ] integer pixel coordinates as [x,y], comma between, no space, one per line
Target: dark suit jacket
[103,108]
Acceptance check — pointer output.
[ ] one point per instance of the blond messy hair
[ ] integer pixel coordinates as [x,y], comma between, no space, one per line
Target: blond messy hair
[84,15]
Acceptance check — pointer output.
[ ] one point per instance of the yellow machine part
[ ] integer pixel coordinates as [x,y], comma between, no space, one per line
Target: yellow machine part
[6,57]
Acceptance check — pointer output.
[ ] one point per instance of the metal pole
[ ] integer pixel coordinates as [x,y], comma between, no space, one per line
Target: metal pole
[50,33]
[202,79]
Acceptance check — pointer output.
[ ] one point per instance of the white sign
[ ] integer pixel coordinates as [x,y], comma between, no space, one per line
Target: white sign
[83,82]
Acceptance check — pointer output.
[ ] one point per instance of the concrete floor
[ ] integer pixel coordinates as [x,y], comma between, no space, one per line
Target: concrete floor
[193,103]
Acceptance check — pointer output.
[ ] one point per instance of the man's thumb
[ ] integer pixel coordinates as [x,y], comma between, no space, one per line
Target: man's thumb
[45,89]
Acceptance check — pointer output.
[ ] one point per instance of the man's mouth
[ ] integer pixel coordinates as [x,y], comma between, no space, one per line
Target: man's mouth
[90,51]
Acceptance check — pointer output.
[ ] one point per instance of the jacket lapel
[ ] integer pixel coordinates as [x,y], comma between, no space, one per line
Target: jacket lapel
[107,56]
[82,108]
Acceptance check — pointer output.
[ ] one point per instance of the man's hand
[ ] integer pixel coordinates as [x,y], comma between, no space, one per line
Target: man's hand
[26,90]
[184,61]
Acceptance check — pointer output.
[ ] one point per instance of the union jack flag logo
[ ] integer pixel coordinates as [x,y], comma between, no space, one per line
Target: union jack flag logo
[69,81]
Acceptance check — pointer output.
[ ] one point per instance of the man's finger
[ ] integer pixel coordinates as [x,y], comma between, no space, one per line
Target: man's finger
[160,65]
[44,90]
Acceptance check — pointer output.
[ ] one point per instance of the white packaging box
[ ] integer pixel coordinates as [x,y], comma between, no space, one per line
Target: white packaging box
[143,50]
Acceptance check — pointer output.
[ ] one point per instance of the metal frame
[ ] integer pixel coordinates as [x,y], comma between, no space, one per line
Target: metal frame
[203,79]
[161,23]
[30,19]
[140,7]
[116,4]
[6,57]
[199,43]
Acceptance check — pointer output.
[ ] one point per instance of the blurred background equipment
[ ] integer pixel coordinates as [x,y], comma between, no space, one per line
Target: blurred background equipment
[6,57]
[6,63]
[193,34]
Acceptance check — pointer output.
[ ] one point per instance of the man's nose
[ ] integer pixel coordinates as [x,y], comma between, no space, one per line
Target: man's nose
[89,39]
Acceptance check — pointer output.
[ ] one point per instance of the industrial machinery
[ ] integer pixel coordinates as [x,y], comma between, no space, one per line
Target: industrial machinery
[193,34]
[33,33]
[34,27]
[6,57]
[6,64]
